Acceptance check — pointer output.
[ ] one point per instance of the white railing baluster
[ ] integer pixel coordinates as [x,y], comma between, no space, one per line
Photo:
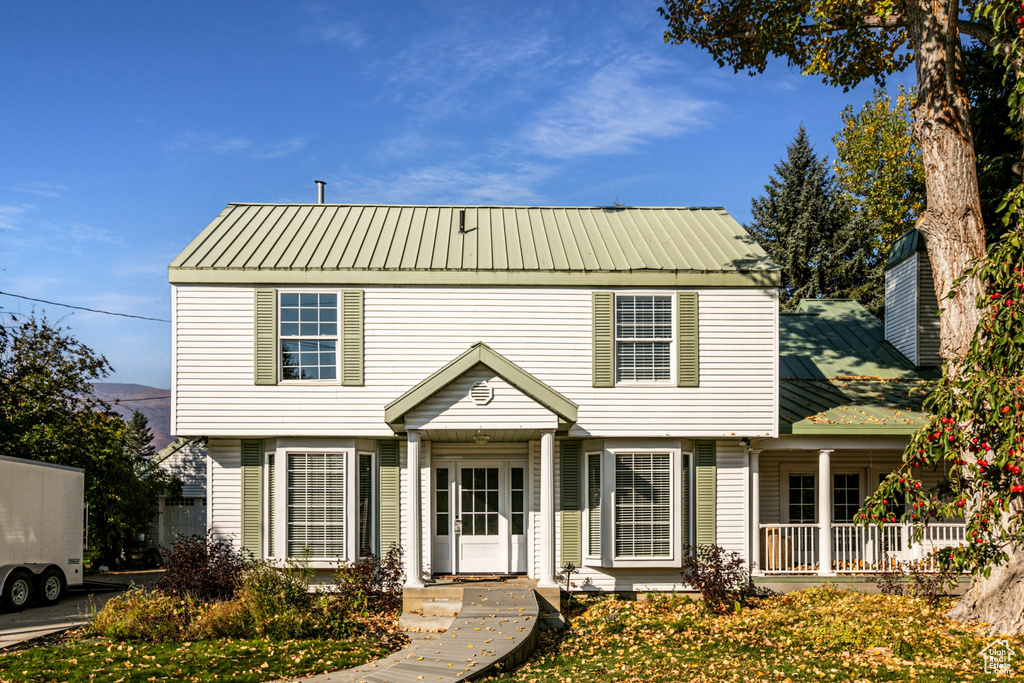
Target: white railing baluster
[793,548]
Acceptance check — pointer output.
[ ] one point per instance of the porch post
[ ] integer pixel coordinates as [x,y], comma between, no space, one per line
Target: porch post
[547,509]
[824,513]
[755,510]
[414,565]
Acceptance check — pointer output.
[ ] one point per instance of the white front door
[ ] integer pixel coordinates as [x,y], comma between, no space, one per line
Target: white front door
[479,515]
[481,524]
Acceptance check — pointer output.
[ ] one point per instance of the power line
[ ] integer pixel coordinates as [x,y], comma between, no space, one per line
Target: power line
[83,308]
[148,398]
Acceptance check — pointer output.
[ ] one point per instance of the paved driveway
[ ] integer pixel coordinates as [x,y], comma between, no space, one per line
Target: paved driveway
[74,610]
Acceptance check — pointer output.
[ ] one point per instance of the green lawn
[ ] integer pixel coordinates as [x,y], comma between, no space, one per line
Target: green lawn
[102,659]
[814,635]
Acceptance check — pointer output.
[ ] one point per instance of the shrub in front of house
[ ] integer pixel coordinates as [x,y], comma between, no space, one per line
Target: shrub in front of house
[202,568]
[720,576]
[144,615]
[266,602]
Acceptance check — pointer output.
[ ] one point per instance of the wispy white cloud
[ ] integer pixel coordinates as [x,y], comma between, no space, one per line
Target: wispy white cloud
[10,215]
[322,22]
[80,232]
[456,183]
[41,189]
[212,143]
[276,150]
[615,111]
[342,33]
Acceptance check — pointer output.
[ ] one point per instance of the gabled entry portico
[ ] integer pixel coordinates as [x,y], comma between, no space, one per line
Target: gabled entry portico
[476,515]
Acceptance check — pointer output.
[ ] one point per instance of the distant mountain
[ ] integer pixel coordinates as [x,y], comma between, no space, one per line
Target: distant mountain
[154,403]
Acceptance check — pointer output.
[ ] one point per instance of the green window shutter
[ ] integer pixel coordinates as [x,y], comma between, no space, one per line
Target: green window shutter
[707,482]
[252,499]
[271,484]
[604,339]
[688,338]
[352,338]
[390,517]
[684,518]
[265,329]
[571,514]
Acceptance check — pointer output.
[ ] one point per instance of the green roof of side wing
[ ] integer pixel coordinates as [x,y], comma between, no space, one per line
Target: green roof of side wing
[905,246]
[381,244]
[481,354]
[838,375]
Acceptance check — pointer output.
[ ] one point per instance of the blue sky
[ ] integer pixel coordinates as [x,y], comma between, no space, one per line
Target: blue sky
[125,127]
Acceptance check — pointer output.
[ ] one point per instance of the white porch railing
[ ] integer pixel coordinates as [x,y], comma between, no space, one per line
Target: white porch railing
[793,548]
[789,548]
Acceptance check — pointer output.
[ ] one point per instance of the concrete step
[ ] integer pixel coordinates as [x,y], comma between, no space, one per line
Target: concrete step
[422,623]
[441,607]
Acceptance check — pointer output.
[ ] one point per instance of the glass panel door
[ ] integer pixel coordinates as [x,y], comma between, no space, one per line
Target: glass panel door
[480,496]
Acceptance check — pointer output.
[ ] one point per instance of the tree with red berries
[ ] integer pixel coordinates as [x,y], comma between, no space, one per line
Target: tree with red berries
[974,434]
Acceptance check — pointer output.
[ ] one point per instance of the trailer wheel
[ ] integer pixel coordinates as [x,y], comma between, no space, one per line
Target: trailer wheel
[50,587]
[18,590]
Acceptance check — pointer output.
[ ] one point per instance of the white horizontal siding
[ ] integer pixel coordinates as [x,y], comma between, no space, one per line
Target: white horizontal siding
[454,408]
[411,332]
[224,472]
[731,512]
[901,307]
[189,465]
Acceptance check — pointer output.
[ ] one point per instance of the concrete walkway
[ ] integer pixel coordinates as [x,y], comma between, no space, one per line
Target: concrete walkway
[497,624]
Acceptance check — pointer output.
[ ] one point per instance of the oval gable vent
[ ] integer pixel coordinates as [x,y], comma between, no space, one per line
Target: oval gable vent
[481,393]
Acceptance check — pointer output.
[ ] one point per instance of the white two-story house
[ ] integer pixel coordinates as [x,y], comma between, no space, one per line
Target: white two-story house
[496,390]
[504,390]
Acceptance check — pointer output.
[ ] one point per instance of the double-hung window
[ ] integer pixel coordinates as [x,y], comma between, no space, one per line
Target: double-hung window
[316,505]
[643,338]
[309,336]
[643,505]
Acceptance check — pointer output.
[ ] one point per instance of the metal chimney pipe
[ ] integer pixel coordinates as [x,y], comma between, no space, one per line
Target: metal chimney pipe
[320,191]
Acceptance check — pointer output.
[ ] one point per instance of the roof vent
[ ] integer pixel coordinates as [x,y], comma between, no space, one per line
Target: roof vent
[481,393]
[320,191]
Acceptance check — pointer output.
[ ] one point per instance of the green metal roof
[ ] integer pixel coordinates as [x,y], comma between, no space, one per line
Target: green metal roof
[380,244]
[839,375]
[481,354]
[828,338]
[905,246]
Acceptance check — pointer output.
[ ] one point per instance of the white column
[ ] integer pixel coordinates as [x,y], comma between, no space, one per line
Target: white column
[755,510]
[414,562]
[547,510]
[824,513]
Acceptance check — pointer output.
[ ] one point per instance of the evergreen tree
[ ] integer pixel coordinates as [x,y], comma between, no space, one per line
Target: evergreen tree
[805,224]
[138,439]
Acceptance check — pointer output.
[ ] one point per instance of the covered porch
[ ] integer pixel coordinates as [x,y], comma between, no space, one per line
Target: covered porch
[803,503]
[479,472]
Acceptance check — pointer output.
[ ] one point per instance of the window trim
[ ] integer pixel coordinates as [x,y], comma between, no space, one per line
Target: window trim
[348,448]
[279,338]
[659,446]
[592,559]
[672,379]
[784,471]
[374,501]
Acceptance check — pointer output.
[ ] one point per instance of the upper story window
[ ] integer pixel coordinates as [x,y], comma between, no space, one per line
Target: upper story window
[643,338]
[309,336]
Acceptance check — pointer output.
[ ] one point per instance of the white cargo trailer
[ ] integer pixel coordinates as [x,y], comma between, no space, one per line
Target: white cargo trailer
[41,524]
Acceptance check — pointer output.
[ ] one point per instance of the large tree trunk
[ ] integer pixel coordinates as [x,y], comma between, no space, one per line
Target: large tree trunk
[997,601]
[951,224]
[955,235]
